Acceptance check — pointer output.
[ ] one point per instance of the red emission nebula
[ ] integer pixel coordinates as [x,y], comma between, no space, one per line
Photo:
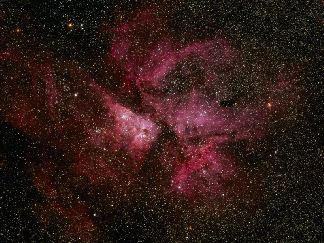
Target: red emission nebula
[184,116]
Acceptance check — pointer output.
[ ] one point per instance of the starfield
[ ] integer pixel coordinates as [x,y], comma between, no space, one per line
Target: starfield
[161,121]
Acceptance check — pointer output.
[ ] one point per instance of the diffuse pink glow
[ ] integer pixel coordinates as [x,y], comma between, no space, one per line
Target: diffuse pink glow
[108,142]
[204,175]
[199,120]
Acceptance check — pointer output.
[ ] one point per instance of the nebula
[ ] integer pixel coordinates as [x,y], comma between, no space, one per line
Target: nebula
[197,88]
[206,92]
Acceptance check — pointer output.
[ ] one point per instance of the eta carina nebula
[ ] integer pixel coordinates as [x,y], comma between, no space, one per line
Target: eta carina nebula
[183,116]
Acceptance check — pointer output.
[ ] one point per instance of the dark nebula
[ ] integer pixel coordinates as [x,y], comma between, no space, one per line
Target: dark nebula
[197,121]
